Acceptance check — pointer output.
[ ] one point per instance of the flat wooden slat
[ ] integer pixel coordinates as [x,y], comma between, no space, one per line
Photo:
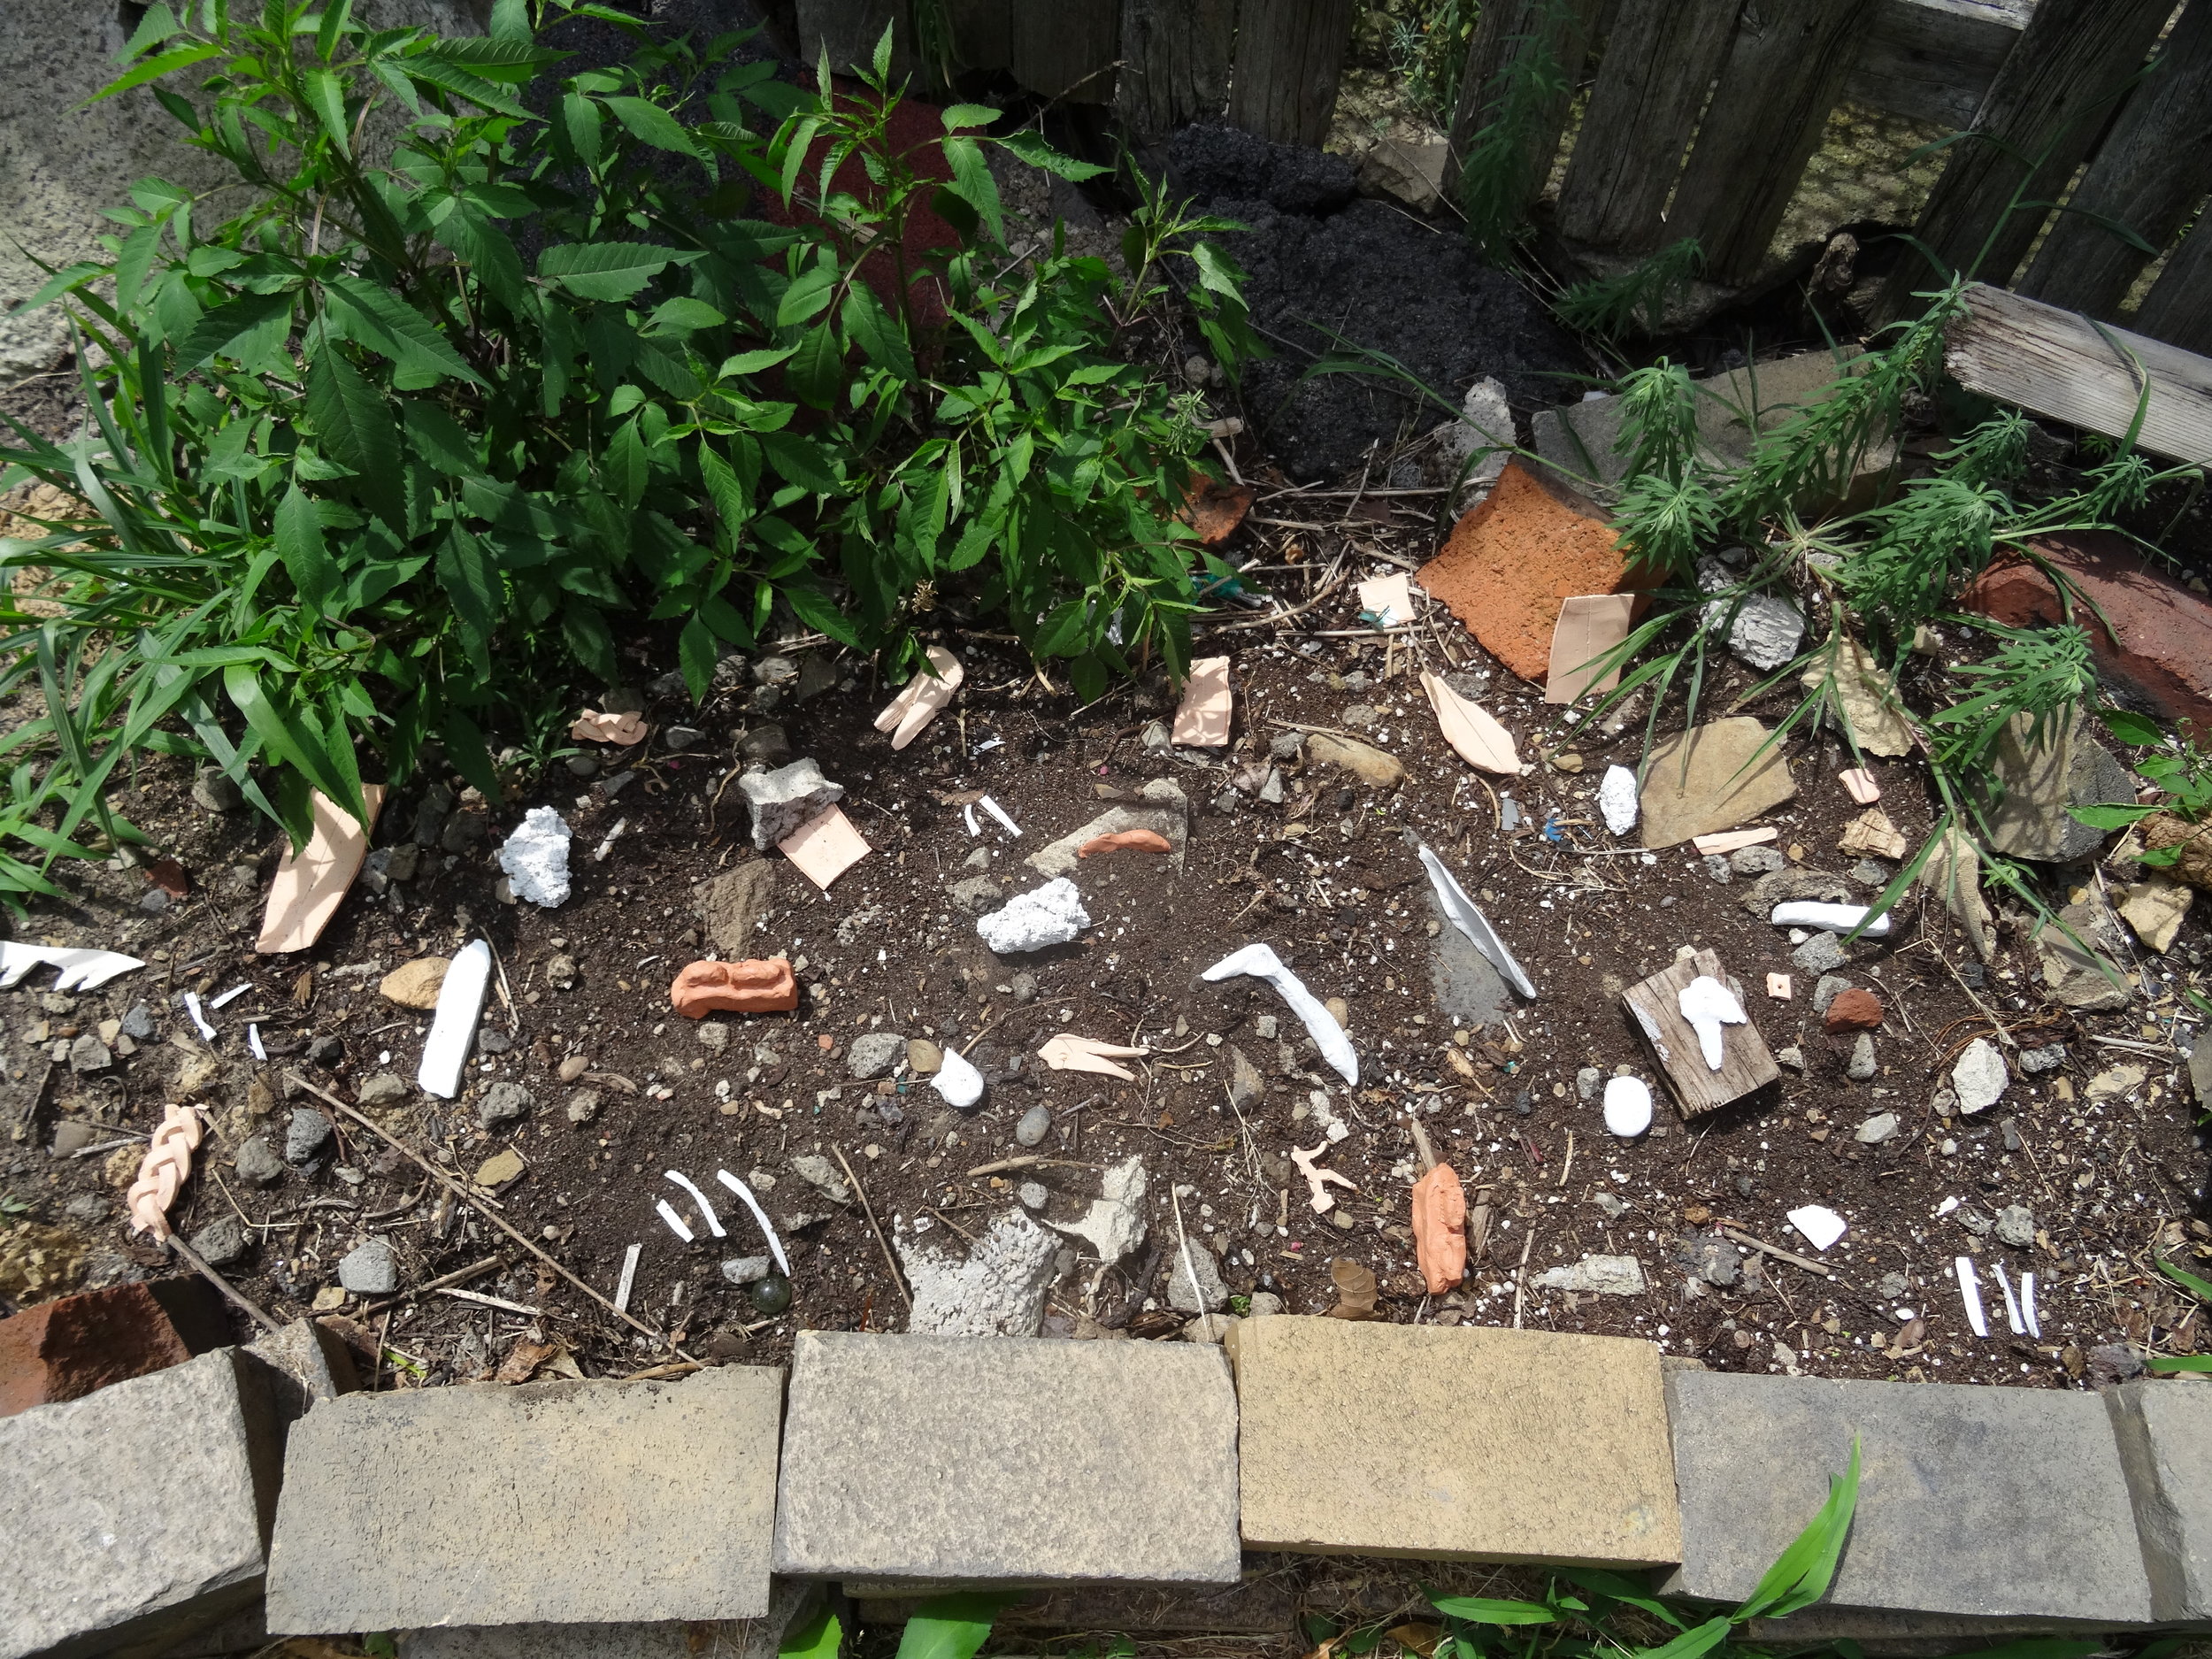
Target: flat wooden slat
[849,31]
[2178,308]
[1067,50]
[1658,67]
[1746,1064]
[2049,101]
[982,33]
[1175,61]
[2152,168]
[1289,55]
[2057,363]
[1785,69]
[1508,34]
[1933,60]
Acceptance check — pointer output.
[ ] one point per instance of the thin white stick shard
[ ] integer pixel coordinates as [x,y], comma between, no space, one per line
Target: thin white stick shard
[2027,1305]
[628,1278]
[714,1222]
[199,1020]
[775,1245]
[80,970]
[229,996]
[998,812]
[974,828]
[675,1222]
[1839,918]
[253,1041]
[1262,963]
[1474,924]
[599,853]
[2012,1304]
[453,1027]
[1970,1293]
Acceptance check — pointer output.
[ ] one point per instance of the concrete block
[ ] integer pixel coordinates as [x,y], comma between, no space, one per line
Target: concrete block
[307,1362]
[69,1348]
[1264,1605]
[790,1600]
[2164,1431]
[988,1461]
[558,1503]
[137,1516]
[1990,1504]
[1398,1439]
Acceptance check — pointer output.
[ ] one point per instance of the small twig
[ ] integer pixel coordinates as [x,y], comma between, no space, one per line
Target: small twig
[868,1211]
[1809,1265]
[191,1258]
[1030,1161]
[1520,1277]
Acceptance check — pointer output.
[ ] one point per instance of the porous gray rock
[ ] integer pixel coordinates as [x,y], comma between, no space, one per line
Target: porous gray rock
[222,1242]
[1823,953]
[1831,987]
[385,1088]
[975,894]
[89,1054]
[1763,629]
[1757,861]
[257,1161]
[469,1495]
[1980,1076]
[1115,1224]
[733,905]
[873,1053]
[1208,1294]
[370,1269]
[1862,1065]
[783,800]
[1598,1275]
[1169,820]
[213,792]
[870,1417]
[504,1102]
[1880,1127]
[996,1289]
[2015,1226]
[136,1516]
[306,1135]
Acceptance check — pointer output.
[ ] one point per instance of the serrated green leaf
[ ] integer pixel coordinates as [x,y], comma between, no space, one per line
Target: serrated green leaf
[1030,145]
[649,124]
[437,438]
[753,362]
[808,294]
[696,653]
[958,116]
[973,183]
[222,328]
[154,68]
[607,270]
[798,460]
[398,331]
[731,498]
[817,370]
[582,120]
[299,540]
[354,423]
[589,638]
[2132,728]
[625,465]
[876,332]
[472,585]
[682,316]
[326,96]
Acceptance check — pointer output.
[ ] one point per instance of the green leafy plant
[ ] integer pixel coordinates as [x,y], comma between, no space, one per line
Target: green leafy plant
[2202,1292]
[1428,52]
[2174,764]
[1499,172]
[1635,300]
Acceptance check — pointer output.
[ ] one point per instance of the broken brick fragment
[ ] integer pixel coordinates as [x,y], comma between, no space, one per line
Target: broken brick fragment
[1854,1010]
[66,1349]
[734,988]
[1136,841]
[1214,508]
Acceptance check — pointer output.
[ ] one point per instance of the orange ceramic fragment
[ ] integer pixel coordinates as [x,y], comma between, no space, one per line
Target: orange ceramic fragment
[1439,1229]
[1134,840]
[1214,508]
[593,726]
[734,988]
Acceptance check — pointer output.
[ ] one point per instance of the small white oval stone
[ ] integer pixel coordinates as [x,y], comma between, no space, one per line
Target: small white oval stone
[1627,1106]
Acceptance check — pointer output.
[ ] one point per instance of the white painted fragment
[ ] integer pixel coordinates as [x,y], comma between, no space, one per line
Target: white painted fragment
[959,1082]
[199,1020]
[2012,1302]
[974,828]
[1707,1005]
[714,1222]
[768,1231]
[1627,1106]
[453,1027]
[2027,1305]
[1970,1293]
[675,1222]
[229,996]
[1820,1225]
[253,1041]
[998,812]
[628,1278]
[1834,918]
[1262,963]
[80,970]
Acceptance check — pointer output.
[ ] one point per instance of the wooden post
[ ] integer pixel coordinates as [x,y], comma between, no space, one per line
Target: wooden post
[982,33]
[1175,56]
[1783,75]
[1658,66]
[2178,308]
[1067,51]
[1289,54]
[1508,34]
[848,30]
[2047,104]
[2154,167]
[1746,1063]
[1933,60]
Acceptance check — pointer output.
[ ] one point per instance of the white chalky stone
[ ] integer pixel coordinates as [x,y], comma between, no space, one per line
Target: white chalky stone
[1627,1106]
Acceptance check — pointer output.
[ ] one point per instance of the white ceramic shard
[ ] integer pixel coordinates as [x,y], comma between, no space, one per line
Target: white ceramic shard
[1627,1106]
[628,1278]
[960,1083]
[1474,924]
[2027,1305]
[453,1027]
[714,1222]
[80,970]
[768,1231]
[1707,1005]
[1262,963]
[918,703]
[1820,1225]
[1833,918]
[199,1020]
[675,1222]
[998,812]
[1971,1294]
[2012,1303]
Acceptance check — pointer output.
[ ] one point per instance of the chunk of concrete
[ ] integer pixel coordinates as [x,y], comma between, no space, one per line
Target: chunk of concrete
[307,1362]
[790,1603]
[1398,1439]
[558,1502]
[138,1516]
[1973,1502]
[996,1289]
[2164,1431]
[784,800]
[977,1461]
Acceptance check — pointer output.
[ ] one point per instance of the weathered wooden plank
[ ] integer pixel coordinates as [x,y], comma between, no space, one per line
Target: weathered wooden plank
[982,33]
[848,30]
[1933,60]
[1175,61]
[1067,51]
[2178,308]
[1289,55]
[1658,67]
[2047,104]
[1785,69]
[2152,169]
[1545,42]
[1746,1065]
[2058,363]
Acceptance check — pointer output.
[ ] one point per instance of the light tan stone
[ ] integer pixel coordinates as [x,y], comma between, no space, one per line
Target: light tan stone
[1470,1443]
[415,984]
[2154,908]
[1372,766]
[1722,786]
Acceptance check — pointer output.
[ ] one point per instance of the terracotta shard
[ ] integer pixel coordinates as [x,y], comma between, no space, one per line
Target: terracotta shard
[1589,625]
[1138,841]
[593,726]
[824,848]
[1070,1053]
[1472,729]
[1439,1229]
[311,883]
[1203,720]
[1859,784]
[734,988]
[918,703]
[1513,561]
[1214,508]
[1854,1010]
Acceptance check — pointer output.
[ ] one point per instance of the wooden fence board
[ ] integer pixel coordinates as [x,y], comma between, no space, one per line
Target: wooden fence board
[1175,61]
[1289,55]
[1746,1063]
[1933,60]
[1786,67]
[2178,308]
[1658,67]
[848,30]
[2057,363]
[2152,168]
[982,33]
[1506,32]
[1066,51]
[2047,103]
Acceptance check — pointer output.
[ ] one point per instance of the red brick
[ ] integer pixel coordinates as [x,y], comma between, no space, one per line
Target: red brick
[65,1349]
[739,987]
[1854,1010]
[2164,651]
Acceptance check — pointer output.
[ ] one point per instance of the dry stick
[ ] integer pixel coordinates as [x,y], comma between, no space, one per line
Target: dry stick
[1421,1145]
[866,1209]
[1030,1161]
[459,1276]
[1520,1277]
[1809,1265]
[192,1259]
[499,1221]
